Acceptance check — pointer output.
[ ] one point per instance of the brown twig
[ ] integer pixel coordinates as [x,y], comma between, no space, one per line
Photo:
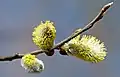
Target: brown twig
[87,27]
[18,55]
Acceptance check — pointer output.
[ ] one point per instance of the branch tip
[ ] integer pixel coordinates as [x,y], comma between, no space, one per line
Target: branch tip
[109,4]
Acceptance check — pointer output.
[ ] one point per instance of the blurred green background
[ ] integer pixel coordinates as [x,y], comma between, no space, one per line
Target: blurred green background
[18,17]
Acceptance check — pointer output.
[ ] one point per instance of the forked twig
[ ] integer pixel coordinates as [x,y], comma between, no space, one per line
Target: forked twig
[87,27]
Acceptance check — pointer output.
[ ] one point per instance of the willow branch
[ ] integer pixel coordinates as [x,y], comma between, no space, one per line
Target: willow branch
[87,27]
[18,55]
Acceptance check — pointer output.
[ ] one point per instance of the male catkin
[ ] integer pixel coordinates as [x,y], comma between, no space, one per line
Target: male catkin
[44,35]
[87,48]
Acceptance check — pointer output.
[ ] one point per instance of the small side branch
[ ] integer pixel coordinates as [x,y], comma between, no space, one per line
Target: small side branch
[10,58]
[57,46]
[18,56]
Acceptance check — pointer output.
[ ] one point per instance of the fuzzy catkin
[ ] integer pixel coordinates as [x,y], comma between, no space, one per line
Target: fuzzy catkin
[44,35]
[87,48]
[32,64]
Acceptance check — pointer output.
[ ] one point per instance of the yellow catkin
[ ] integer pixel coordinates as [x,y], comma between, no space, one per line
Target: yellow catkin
[44,35]
[87,48]
[32,64]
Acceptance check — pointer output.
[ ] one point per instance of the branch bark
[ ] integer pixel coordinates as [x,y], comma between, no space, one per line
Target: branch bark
[87,27]
[57,46]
